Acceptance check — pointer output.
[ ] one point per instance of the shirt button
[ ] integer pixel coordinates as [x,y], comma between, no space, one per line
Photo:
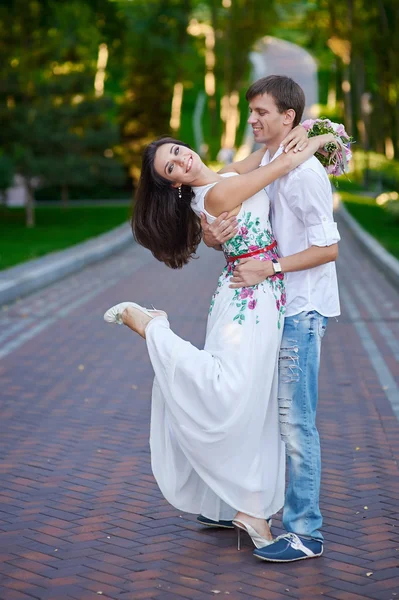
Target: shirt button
[324,219]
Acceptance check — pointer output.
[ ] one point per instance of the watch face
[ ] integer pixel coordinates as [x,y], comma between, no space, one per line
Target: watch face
[276,267]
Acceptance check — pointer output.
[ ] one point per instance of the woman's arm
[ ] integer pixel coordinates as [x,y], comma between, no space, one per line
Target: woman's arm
[229,193]
[296,139]
[246,165]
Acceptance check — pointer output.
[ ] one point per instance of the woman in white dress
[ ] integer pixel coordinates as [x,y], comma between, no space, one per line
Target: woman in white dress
[215,441]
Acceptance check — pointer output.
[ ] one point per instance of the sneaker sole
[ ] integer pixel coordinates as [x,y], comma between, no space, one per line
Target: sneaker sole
[216,525]
[290,560]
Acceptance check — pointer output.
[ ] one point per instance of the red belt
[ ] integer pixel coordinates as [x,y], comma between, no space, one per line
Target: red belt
[254,253]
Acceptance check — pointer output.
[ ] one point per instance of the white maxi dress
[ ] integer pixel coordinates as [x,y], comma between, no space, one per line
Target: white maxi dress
[215,441]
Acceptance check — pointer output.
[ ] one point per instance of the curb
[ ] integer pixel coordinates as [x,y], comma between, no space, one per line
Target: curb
[35,274]
[385,261]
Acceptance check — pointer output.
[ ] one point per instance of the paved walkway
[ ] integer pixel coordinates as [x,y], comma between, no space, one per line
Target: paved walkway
[80,513]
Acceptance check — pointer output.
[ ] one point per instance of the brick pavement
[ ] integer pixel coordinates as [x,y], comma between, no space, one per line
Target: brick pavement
[80,513]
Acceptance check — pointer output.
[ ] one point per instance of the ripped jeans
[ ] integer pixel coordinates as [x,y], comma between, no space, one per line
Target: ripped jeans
[298,390]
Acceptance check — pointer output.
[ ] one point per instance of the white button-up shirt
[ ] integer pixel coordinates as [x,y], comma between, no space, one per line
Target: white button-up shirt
[302,216]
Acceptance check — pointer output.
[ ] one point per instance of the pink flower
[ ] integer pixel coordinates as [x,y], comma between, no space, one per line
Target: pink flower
[278,304]
[243,231]
[245,292]
[331,169]
[341,131]
[278,276]
[253,248]
[251,304]
[283,299]
[308,124]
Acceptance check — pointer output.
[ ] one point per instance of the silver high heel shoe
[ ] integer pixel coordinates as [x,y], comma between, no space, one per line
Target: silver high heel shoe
[258,540]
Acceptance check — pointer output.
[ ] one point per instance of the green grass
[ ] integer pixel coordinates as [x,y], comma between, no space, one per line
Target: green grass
[377,221]
[56,229]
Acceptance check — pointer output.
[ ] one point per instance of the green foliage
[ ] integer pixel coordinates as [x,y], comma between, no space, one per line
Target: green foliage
[356,45]
[56,229]
[156,44]
[380,170]
[6,172]
[377,221]
[55,130]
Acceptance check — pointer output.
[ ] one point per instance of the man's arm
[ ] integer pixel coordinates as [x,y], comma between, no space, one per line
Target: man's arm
[251,272]
[311,203]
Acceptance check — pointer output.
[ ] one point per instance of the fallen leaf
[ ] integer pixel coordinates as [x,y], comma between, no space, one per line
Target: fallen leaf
[366,508]
[81,368]
[215,591]
[369,573]
[357,448]
[134,387]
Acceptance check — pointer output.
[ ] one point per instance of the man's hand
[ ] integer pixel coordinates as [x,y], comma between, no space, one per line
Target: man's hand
[220,231]
[250,272]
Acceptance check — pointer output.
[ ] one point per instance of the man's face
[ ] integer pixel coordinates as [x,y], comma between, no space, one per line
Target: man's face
[267,123]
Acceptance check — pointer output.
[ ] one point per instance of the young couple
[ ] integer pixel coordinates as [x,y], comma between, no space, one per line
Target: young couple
[223,418]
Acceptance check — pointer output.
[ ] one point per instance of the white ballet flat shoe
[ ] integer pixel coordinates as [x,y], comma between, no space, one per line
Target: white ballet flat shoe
[114,314]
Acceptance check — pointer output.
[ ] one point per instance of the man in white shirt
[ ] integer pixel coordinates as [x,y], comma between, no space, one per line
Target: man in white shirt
[303,224]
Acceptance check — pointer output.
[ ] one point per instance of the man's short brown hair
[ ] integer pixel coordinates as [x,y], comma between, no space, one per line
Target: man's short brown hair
[285,91]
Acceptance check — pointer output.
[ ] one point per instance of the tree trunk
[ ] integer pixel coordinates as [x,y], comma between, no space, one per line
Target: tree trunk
[30,205]
[212,100]
[64,196]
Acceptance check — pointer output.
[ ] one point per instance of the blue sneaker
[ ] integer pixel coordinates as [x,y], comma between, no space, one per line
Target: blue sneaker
[221,524]
[210,523]
[290,547]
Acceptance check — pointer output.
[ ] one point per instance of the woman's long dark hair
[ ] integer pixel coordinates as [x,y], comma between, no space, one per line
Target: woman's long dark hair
[161,221]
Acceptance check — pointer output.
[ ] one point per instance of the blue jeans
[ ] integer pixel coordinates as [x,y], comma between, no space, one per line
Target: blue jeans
[298,390]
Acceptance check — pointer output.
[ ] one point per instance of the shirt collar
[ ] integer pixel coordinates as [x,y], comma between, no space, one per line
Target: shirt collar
[276,154]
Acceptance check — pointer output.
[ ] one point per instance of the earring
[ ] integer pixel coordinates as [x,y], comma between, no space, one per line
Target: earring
[179,192]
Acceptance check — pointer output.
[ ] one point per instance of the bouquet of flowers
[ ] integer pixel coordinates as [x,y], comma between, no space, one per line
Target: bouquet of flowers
[335,155]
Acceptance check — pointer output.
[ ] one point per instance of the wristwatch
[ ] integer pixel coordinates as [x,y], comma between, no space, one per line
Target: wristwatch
[276,266]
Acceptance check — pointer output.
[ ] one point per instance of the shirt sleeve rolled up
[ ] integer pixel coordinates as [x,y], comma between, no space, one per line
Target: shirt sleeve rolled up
[311,201]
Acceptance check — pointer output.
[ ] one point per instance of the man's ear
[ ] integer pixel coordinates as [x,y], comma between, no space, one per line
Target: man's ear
[289,116]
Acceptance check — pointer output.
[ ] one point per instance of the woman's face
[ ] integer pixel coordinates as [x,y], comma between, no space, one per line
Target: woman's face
[177,163]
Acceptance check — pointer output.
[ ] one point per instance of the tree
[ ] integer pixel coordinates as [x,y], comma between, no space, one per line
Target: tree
[156,45]
[56,130]
[362,59]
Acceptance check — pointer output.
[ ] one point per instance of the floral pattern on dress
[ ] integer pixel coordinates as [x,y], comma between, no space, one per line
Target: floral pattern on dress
[249,238]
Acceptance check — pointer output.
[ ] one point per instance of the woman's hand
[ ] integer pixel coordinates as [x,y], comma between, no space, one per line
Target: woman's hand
[297,139]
